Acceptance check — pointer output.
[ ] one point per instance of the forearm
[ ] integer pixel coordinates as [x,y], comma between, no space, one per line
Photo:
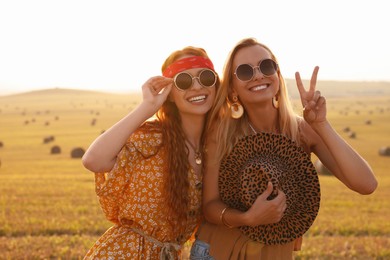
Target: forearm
[354,171]
[231,217]
[101,155]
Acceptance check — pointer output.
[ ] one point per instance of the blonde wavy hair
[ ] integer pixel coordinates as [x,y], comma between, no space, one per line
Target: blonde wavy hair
[178,166]
[229,130]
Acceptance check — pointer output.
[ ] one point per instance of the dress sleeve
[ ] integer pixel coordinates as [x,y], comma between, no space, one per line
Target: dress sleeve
[110,186]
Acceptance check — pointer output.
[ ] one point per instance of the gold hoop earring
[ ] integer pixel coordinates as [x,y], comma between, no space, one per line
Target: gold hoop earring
[275,102]
[236,108]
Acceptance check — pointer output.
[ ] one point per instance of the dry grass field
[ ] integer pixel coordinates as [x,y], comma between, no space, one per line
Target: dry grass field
[48,207]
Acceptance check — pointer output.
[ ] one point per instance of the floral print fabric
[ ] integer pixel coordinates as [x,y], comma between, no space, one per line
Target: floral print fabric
[132,196]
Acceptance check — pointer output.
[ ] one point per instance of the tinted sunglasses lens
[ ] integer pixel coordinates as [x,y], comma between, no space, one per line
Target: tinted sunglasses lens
[244,72]
[207,78]
[183,81]
[268,67]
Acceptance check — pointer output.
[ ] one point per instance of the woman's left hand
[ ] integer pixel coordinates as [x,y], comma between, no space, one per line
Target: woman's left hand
[314,105]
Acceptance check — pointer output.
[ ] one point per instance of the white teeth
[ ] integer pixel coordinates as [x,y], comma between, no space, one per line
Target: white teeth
[259,87]
[197,99]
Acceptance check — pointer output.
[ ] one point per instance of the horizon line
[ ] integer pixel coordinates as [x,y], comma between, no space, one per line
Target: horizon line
[130,91]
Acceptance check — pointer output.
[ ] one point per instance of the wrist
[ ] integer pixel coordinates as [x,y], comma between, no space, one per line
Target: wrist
[244,218]
[146,109]
[222,218]
[318,126]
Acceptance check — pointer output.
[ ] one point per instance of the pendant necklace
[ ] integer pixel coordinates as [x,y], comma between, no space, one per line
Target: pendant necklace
[198,155]
[253,129]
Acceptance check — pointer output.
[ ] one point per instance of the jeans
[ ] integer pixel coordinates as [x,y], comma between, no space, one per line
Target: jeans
[200,251]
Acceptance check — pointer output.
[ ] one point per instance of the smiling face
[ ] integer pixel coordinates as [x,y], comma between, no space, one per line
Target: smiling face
[260,89]
[196,100]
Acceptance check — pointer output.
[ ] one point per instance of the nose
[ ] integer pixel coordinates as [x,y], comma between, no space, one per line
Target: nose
[196,83]
[257,72]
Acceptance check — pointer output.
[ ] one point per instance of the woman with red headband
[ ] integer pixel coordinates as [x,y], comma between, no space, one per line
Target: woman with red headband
[148,172]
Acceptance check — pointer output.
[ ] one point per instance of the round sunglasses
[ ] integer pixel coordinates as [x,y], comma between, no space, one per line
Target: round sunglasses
[246,72]
[184,80]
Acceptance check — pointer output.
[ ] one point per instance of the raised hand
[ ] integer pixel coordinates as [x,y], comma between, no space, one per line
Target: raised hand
[156,90]
[314,105]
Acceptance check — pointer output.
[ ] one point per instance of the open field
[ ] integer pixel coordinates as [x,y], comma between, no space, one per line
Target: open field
[48,207]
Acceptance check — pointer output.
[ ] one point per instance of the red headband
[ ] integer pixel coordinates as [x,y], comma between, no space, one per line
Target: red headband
[187,63]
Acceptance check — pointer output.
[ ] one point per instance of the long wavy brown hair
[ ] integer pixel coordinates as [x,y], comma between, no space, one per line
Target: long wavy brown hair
[178,166]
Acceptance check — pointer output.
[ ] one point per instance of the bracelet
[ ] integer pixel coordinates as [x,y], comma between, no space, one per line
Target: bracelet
[223,219]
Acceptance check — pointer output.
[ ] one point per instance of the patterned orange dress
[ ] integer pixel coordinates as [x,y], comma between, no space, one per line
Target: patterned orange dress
[132,196]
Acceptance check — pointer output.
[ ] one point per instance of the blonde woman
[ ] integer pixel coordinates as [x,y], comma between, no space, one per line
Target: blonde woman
[253,102]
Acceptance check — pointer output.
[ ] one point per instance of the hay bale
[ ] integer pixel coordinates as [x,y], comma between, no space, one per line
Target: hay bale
[55,150]
[384,151]
[48,139]
[368,122]
[346,129]
[321,169]
[77,152]
[1,144]
[352,135]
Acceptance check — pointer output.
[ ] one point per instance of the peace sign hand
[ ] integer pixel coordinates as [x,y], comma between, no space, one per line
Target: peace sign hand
[314,105]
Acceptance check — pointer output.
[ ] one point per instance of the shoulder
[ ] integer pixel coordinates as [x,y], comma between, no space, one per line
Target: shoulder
[147,139]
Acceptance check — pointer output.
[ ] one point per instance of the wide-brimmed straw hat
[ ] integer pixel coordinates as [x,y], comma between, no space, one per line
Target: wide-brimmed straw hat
[254,161]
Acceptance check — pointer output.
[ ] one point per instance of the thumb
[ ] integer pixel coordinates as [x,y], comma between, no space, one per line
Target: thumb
[165,92]
[308,114]
[268,190]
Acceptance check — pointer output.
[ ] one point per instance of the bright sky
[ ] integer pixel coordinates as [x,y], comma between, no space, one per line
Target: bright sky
[117,45]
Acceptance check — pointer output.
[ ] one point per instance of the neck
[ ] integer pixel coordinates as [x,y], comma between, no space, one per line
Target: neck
[264,120]
[193,128]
